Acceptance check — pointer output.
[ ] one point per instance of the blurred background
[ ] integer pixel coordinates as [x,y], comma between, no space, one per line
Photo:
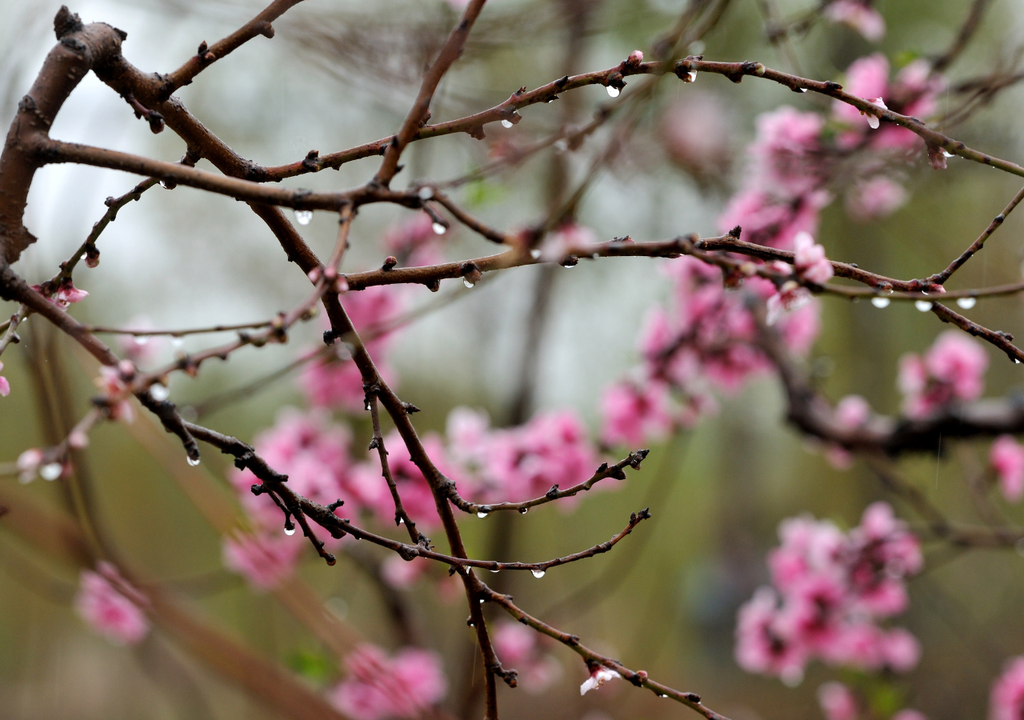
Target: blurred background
[341,73]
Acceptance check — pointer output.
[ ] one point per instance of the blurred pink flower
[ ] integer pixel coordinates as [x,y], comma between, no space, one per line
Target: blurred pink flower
[770,220]
[866,78]
[517,647]
[809,260]
[413,241]
[113,386]
[838,702]
[263,559]
[377,686]
[636,415]
[113,612]
[909,715]
[875,198]
[1006,701]
[953,369]
[858,15]
[5,386]
[698,134]
[1007,459]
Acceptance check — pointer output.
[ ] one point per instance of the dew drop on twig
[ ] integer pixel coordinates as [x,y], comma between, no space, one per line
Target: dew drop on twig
[303,217]
[923,305]
[506,123]
[481,514]
[880,302]
[537,573]
[439,229]
[966,302]
[193,461]
[467,282]
[523,511]
[51,471]
[158,392]
[426,192]
[535,253]
[613,91]
[289,530]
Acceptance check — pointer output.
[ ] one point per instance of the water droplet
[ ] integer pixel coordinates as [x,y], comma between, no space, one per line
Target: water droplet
[158,392]
[1016,361]
[523,511]
[177,342]
[193,461]
[495,571]
[166,185]
[506,123]
[691,77]
[401,521]
[661,695]
[923,305]
[801,90]
[561,145]
[467,282]
[481,514]
[51,471]
[289,530]
[873,122]
[946,153]
[880,302]
[535,253]
[967,303]
[141,339]
[612,91]
[439,229]
[303,217]
[426,192]
[537,573]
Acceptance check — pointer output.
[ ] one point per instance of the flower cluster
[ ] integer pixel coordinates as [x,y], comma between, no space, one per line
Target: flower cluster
[403,686]
[519,646]
[840,702]
[829,590]
[313,452]
[952,370]
[706,341]
[1007,460]
[782,193]
[335,382]
[110,606]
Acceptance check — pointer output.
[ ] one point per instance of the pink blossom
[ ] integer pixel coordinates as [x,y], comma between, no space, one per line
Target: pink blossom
[760,646]
[876,198]
[953,369]
[112,383]
[810,261]
[801,327]
[698,135]
[413,488]
[866,78]
[852,411]
[5,386]
[66,294]
[598,677]
[909,715]
[1006,701]
[403,686]
[1007,460]
[335,382]
[110,606]
[636,415]
[403,574]
[838,702]
[28,464]
[773,221]
[791,296]
[141,349]
[517,646]
[313,452]
[784,149]
[901,650]
[263,559]
[858,15]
